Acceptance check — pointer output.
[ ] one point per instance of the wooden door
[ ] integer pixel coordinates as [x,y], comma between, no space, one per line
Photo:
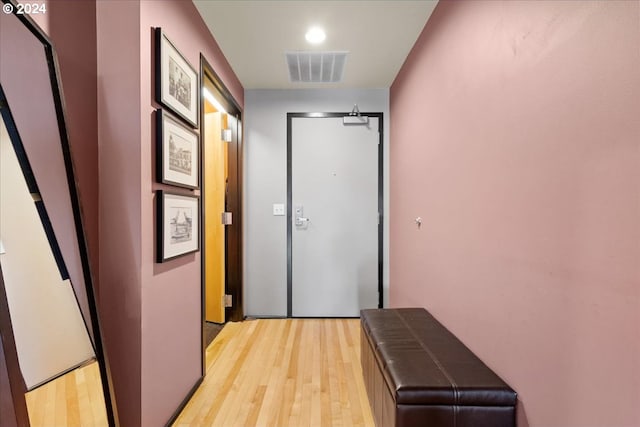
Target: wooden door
[222,192]
[215,183]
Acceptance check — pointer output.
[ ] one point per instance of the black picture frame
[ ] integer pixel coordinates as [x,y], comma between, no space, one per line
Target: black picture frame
[178,224]
[177,152]
[177,82]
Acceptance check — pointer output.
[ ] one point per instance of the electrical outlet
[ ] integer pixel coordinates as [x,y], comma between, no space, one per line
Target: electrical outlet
[278,209]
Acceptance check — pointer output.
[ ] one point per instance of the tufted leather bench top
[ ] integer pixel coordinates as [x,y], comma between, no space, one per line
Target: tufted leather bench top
[422,363]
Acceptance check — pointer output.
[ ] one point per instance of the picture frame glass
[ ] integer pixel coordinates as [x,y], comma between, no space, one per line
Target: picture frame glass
[180,224]
[179,151]
[179,83]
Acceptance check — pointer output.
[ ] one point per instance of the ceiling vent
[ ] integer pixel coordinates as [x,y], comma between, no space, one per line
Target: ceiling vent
[316,67]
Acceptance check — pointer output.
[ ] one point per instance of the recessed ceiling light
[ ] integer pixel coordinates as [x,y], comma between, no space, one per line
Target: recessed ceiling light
[315,35]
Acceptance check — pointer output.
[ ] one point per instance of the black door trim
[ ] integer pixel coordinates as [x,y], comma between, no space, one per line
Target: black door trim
[290,117]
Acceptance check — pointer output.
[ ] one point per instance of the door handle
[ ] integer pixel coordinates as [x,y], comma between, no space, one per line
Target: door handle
[299,219]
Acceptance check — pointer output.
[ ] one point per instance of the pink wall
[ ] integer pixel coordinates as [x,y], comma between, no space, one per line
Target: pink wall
[515,136]
[152,310]
[171,292]
[120,159]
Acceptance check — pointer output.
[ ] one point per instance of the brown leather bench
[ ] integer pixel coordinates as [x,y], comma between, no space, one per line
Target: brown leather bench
[417,373]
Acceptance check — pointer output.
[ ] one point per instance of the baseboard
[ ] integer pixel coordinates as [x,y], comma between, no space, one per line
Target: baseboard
[184,402]
[263,317]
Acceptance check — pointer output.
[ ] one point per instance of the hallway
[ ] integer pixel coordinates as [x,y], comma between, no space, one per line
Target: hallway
[508,178]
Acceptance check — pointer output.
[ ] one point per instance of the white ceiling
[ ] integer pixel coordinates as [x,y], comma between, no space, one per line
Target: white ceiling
[254,36]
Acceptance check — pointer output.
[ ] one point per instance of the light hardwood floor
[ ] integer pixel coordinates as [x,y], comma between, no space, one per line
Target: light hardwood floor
[268,372]
[73,400]
[282,372]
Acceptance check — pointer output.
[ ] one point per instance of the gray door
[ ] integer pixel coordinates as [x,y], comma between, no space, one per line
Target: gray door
[334,213]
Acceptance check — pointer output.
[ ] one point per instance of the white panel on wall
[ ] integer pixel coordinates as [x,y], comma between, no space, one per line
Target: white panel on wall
[50,333]
[265,183]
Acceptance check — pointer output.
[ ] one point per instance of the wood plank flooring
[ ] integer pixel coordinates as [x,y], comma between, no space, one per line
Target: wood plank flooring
[282,372]
[73,400]
[268,372]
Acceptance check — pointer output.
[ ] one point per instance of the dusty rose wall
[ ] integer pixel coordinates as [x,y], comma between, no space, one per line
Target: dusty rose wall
[120,159]
[171,292]
[152,311]
[515,136]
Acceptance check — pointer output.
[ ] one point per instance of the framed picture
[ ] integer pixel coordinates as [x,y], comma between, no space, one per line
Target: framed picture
[177,83]
[178,224]
[177,152]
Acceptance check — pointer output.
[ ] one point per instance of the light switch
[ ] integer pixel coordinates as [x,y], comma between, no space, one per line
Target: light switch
[278,209]
[2,251]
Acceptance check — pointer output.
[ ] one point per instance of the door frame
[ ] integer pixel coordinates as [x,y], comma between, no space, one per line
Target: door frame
[233,233]
[325,115]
